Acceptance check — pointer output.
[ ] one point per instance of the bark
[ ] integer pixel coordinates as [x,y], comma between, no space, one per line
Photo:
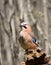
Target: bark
[35,56]
[46,26]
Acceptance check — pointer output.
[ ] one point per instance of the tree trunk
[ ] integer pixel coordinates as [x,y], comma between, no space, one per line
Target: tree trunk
[46,26]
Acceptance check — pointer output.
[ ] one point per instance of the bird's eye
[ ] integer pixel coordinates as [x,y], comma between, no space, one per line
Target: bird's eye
[25,27]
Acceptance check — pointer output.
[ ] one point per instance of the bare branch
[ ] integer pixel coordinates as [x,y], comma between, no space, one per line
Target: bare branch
[29,9]
[2,15]
[49,45]
[39,29]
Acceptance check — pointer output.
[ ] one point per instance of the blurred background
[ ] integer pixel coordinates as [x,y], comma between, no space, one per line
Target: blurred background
[14,12]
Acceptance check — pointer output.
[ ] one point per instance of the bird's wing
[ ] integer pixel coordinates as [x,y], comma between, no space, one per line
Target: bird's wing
[34,38]
[22,42]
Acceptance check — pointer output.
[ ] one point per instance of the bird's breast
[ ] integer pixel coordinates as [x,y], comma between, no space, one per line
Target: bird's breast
[26,43]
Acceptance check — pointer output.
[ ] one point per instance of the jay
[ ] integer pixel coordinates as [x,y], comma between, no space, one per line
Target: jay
[27,39]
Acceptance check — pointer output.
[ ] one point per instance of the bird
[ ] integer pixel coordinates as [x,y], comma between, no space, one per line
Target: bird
[27,38]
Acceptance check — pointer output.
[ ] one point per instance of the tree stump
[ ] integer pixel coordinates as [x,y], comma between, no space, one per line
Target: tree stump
[36,57]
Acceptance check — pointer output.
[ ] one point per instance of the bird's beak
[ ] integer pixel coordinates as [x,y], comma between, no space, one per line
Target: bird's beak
[20,25]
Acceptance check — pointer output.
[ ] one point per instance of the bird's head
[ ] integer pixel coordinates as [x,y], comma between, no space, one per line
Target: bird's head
[25,26]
